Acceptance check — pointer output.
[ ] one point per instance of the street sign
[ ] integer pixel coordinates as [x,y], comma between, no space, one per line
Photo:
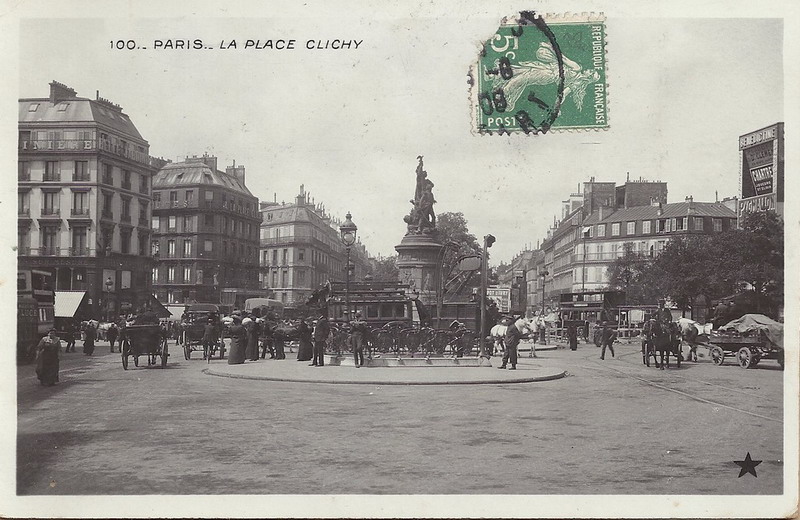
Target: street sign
[469,263]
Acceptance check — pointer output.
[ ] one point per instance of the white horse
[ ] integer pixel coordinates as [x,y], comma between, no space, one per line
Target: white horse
[691,331]
[498,333]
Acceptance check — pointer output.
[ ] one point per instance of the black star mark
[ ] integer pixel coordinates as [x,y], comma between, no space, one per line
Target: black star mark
[748,465]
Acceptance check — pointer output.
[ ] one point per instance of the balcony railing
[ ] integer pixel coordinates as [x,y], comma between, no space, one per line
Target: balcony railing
[51,212]
[24,212]
[79,251]
[88,145]
[79,212]
[51,177]
[81,177]
[49,251]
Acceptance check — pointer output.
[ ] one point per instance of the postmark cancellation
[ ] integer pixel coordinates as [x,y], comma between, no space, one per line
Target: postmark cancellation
[540,73]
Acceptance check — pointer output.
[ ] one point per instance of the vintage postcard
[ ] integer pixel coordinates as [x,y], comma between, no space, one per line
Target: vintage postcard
[446,260]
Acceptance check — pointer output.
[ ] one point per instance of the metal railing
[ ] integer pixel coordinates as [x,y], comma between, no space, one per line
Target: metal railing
[79,212]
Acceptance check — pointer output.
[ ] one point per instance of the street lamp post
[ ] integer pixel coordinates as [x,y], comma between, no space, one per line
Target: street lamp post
[347,232]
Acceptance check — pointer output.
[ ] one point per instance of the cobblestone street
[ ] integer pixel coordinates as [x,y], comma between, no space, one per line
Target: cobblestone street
[610,426]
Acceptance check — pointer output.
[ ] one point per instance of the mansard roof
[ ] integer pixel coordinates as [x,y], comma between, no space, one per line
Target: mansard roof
[77,110]
[193,173]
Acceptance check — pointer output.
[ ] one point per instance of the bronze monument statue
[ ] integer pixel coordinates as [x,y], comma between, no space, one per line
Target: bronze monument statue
[422,218]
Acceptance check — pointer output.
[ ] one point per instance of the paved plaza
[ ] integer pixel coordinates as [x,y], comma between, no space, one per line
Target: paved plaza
[608,427]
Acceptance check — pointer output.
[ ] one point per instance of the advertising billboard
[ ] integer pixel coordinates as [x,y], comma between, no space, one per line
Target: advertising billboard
[501,294]
[761,170]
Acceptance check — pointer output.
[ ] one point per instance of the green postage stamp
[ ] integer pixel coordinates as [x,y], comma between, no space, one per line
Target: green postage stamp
[538,74]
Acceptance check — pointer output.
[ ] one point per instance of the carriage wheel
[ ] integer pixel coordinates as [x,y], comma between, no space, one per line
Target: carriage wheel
[164,354]
[125,361]
[135,360]
[745,357]
[717,355]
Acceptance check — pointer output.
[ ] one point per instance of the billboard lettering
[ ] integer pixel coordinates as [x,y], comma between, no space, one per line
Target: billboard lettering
[754,204]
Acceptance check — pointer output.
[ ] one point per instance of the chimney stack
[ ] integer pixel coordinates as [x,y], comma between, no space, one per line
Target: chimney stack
[59,92]
[237,172]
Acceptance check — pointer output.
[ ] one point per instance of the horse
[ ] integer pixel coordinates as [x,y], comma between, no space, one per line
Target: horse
[659,337]
[690,332]
[498,332]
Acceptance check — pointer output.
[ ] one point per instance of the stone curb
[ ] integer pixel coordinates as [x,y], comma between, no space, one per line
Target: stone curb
[548,377]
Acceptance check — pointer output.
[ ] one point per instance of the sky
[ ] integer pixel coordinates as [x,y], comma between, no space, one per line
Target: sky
[349,124]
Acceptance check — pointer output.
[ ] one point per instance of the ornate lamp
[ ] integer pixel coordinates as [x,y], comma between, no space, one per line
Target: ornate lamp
[347,232]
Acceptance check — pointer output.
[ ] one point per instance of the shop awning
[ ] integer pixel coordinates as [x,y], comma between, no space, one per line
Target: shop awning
[67,303]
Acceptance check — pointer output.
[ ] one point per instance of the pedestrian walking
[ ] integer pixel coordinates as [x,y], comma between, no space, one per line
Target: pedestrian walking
[305,351]
[321,332]
[89,335]
[512,338]
[47,358]
[608,336]
[209,338]
[572,337]
[237,354]
[112,334]
[357,330]
[69,332]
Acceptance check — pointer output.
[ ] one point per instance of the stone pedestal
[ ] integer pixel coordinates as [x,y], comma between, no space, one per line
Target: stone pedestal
[419,265]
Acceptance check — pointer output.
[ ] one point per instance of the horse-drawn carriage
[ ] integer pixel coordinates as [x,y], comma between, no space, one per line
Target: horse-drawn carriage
[749,339]
[193,324]
[143,340]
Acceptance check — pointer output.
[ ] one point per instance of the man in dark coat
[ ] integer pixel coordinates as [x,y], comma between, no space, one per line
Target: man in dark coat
[358,330]
[512,339]
[69,332]
[111,334]
[321,332]
[89,335]
[209,338]
[608,336]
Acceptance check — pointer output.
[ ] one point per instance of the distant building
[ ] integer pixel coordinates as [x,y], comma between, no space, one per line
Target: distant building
[300,249]
[84,198]
[205,232]
[646,228]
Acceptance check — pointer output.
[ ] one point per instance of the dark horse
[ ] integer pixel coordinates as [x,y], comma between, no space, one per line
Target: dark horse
[661,337]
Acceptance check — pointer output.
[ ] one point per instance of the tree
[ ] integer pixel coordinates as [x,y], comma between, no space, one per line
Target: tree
[752,258]
[386,269]
[635,274]
[454,233]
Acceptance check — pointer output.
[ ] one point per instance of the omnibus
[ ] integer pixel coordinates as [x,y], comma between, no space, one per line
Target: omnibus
[260,307]
[35,310]
[378,302]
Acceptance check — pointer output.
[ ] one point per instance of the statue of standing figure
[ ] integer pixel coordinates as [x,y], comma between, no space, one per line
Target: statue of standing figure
[422,218]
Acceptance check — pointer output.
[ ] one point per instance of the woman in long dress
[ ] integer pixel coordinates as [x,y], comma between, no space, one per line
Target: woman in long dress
[47,358]
[236,355]
[306,349]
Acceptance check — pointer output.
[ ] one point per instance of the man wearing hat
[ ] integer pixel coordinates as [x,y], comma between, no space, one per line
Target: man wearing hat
[357,331]
[321,332]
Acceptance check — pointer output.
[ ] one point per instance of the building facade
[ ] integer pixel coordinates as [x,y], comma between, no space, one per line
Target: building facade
[84,199]
[300,249]
[646,228]
[205,232]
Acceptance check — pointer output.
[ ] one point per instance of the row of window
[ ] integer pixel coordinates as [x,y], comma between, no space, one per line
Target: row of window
[208,195]
[50,241]
[665,225]
[230,227]
[79,172]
